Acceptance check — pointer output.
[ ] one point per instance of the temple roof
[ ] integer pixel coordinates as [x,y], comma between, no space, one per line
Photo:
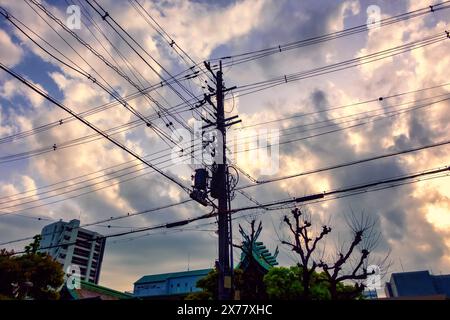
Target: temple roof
[90,290]
[260,255]
[259,252]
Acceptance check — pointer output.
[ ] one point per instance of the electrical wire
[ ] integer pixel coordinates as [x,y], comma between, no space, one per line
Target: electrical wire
[365,187]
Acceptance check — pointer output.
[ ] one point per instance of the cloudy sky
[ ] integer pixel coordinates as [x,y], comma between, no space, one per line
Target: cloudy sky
[36,181]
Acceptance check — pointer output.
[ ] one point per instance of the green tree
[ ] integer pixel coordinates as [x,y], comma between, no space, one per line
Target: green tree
[34,275]
[209,285]
[283,283]
[286,283]
[9,271]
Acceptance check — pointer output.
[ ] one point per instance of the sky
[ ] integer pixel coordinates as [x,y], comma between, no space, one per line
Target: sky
[413,220]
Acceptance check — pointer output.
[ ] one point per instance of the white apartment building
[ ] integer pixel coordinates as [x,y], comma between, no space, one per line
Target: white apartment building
[71,245]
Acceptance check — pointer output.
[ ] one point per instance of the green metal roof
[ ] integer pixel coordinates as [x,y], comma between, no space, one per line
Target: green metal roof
[261,255]
[85,285]
[165,276]
[256,250]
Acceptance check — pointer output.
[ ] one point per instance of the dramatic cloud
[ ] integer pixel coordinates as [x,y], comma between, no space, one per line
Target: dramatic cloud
[413,219]
[10,53]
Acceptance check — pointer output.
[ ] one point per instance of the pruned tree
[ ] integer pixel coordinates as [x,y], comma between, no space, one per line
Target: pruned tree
[351,261]
[304,245]
[347,264]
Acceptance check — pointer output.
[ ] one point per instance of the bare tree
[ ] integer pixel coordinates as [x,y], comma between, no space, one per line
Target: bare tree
[348,264]
[304,245]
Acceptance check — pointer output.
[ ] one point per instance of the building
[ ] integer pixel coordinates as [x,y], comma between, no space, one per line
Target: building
[169,284]
[86,249]
[91,291]
[177,285]
[418,285]
[370,294]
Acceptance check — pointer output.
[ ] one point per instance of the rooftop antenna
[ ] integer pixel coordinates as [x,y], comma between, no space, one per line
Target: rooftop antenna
[401,264]
[189,260]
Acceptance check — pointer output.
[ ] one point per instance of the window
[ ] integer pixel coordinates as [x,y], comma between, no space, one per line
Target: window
[84,235]
[84,244]
[79,261]
[82,253]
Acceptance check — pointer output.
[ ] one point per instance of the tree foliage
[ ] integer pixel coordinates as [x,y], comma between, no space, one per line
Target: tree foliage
[209,285]
[286,283]
[33,275]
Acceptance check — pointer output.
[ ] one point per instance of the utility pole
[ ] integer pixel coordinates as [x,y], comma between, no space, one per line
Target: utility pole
[220,185]
[225,281]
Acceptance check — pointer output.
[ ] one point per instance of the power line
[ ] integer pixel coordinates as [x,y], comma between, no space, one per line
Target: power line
[87,123]
[359,187]
[128,215]
[136,123]
[384,111]
[250,178]
[333,108]
[351,163]
[128,64]
[112,92]
[387,116]
[171,42]
[309,198]
[340,66]
[128,107]
[80,71]
[271,83]
[107,18]
[257,54]
[81,188]
[381,98]
[238,189]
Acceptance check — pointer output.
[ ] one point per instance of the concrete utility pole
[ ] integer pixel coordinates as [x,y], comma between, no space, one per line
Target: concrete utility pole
[225,246]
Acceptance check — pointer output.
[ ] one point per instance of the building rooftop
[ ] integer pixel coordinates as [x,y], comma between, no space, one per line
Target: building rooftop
[413,283]
[261,255]
[89,290]
[418,284]
[165,276]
